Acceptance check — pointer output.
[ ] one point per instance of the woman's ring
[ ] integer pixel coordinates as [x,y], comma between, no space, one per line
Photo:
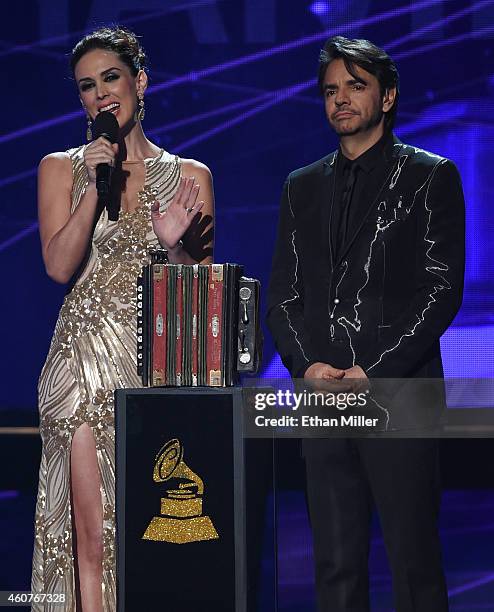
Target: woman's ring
[188,210]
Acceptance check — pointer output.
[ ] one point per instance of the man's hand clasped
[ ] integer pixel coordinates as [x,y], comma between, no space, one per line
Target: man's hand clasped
[325,377]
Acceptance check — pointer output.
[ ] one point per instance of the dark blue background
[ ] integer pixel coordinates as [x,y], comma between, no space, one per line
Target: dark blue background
[232,84]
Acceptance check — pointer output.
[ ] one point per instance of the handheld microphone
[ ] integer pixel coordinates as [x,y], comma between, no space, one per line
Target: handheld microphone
[105,125]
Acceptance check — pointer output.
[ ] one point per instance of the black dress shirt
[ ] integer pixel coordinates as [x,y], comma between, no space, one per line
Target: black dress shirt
[352,197]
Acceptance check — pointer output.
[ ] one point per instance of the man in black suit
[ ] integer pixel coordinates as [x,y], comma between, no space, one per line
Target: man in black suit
[367,275]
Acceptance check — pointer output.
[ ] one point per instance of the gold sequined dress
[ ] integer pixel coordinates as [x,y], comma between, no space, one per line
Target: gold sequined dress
[93,352]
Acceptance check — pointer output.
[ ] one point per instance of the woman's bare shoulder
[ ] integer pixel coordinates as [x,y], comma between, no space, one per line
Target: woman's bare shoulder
[57,166]
[60,160]
[192,167]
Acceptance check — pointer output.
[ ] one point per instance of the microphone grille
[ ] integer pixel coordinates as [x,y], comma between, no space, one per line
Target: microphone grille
[106,125]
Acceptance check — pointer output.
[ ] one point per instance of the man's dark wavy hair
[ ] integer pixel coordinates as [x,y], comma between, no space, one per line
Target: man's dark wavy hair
[369,57]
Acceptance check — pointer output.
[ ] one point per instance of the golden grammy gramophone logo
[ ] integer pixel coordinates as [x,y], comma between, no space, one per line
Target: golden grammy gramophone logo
[181,519]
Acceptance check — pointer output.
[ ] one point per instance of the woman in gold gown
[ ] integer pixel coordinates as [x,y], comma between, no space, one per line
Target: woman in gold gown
[163,200]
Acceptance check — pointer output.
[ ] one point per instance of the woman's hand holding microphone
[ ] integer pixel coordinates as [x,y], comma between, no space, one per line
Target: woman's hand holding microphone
[100,151]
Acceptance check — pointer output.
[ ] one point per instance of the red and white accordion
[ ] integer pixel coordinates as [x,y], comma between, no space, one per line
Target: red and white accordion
[198,325]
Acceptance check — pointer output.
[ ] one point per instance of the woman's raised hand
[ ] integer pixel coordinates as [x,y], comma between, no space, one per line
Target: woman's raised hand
[170,225]
[100,151]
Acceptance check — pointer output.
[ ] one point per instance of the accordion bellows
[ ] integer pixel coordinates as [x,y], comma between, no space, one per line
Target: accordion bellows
[198,325]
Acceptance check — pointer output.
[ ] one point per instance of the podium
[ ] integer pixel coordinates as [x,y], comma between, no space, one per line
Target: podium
[191,498]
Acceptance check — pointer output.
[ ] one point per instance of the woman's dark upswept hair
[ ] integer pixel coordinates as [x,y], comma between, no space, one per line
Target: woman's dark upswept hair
[121,41]
[362,53]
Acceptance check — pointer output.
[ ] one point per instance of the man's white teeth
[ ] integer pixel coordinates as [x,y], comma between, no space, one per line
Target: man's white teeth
[109,107]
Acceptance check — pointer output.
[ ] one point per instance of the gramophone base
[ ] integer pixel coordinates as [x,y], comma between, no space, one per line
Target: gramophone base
[180,531]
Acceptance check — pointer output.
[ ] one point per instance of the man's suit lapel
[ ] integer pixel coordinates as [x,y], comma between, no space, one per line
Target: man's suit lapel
[326,197]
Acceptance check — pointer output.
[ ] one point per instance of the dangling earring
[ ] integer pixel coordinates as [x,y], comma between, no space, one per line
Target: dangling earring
[89,131]
[140,111]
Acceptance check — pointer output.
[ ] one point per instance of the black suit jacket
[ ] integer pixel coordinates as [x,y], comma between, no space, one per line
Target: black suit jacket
[398,283]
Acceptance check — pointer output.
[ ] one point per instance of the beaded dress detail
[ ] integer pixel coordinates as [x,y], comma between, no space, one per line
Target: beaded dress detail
[93,352]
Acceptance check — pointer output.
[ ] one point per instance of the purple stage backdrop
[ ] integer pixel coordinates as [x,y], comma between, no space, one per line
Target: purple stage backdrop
[233,85]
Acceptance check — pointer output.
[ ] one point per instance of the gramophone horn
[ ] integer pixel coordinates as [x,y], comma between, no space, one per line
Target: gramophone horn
[167,459]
